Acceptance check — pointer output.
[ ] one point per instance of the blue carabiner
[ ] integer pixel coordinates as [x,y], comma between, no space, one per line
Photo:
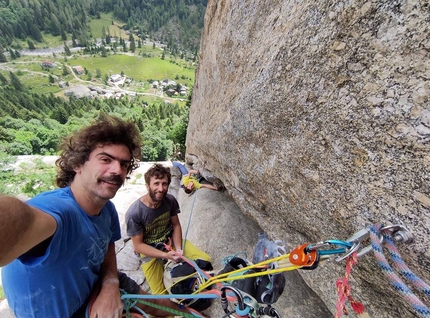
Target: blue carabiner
[318,247]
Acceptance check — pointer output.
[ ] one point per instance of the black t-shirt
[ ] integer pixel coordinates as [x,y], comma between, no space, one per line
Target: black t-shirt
[153,223]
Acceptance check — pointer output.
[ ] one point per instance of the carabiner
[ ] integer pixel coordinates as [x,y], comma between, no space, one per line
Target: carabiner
[356,240]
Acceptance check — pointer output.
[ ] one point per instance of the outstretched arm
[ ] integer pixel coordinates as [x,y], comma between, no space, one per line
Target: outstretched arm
[22,227]
[208,186]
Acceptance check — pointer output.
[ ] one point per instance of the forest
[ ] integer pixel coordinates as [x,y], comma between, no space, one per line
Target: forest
[33,123]
[177,23]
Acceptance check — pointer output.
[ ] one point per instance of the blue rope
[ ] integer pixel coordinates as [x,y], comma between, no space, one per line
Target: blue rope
[403,268]
[398,284]
[189,220]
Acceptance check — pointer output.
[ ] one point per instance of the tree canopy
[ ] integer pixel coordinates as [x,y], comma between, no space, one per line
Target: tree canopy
[177,23]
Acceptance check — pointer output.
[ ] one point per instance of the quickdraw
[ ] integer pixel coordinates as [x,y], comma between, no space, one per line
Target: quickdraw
[307,256]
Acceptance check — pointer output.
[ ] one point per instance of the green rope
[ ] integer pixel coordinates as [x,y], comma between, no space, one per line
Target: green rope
[167,309]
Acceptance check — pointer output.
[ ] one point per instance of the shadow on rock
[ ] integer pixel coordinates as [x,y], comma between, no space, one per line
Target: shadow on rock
[214,223]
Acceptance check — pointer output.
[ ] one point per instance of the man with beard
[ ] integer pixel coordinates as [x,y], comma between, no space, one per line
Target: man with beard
[152,221]
[58,248]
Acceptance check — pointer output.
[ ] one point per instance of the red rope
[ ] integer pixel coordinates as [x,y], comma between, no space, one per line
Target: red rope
[344,290]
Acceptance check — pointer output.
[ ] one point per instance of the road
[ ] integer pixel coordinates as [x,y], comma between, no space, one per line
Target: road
[8,66]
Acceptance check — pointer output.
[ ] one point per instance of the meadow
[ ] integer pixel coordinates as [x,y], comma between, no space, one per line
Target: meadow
[144,65]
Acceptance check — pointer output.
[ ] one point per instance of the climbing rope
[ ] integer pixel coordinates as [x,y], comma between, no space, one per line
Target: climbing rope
[131,300]
[375,232]
[344,291]
[308,256]
[189,220]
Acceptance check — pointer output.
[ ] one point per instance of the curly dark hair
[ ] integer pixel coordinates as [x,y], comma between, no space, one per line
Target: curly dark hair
[107,130]
[158,171]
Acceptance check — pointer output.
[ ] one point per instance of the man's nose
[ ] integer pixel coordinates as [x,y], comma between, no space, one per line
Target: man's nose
[115,167]
[160,187]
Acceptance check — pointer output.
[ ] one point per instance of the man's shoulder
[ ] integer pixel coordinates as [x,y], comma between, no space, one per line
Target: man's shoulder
[134,206]
[57,199]
[171,197]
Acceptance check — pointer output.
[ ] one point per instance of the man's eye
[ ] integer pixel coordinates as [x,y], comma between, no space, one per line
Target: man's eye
[125,164]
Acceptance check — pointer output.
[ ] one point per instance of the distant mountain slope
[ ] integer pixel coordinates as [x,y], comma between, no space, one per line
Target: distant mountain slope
[178,23]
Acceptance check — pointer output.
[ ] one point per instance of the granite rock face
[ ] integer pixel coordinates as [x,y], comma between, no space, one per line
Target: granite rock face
[316,118]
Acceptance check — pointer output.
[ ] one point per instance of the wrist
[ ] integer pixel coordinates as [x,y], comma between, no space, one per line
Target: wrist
[108,281]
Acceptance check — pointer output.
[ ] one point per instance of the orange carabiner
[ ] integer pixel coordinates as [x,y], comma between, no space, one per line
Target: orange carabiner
[301,257]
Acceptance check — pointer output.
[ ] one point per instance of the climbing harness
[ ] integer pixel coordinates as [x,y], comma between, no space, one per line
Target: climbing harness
[274,260]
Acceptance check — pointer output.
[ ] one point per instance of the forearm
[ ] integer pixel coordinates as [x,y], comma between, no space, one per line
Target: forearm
[21,228]
[149,251]
[208,186]
[108,302]
[108,270]
[177,236]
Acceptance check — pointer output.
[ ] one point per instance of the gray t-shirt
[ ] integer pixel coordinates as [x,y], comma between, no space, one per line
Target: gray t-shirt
[153,223]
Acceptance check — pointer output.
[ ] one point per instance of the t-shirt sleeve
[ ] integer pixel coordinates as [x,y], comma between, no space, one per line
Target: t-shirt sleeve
[57,205]
[133,220]
[175,209]
[115,227]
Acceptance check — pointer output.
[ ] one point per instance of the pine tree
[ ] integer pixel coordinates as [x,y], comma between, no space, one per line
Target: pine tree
[15,82]
[3,58]
[132,43]
[3,80]
[103,51]
[12,54]
[65,70]
[67,50]
[63,34]
[30,45]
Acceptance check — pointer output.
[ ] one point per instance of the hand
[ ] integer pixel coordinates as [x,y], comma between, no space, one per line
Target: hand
[108,303]
[179,251]
[174,256]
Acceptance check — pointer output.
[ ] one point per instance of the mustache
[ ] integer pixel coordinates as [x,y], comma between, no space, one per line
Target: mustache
[113,178]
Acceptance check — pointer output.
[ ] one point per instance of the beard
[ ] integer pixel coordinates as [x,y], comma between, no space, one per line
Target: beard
[154,197]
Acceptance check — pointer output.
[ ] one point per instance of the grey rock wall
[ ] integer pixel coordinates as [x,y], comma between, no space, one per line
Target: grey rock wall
[315,115]
[212,221]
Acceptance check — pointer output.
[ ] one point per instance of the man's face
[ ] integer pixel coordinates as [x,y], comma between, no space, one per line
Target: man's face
[190,186]
[157,188]
[104,172]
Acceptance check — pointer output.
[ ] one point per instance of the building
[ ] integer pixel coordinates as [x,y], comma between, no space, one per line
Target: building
[48,64]
[78,70]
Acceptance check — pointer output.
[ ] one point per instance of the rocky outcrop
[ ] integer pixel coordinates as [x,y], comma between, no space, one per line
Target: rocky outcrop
[213,222]
[316,117]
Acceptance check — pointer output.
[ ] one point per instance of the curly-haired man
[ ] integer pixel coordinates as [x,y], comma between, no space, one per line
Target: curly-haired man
[58,247]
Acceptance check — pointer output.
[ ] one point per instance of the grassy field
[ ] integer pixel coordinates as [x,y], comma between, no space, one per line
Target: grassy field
[145,65]
[137,67]
[106,21]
